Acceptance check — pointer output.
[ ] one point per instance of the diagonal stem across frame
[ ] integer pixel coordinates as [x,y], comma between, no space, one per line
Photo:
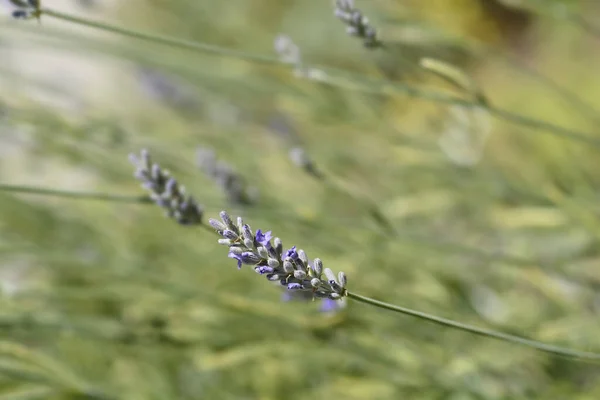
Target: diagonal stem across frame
[548,348]
[505,337]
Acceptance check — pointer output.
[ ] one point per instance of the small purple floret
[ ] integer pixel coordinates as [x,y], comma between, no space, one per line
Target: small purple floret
[237,257]
[264,238]
[292,253]
[294,286]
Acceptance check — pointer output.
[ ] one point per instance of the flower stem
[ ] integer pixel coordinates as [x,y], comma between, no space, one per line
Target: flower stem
[548,348]
[75,195]
[84,196]
[377,86]
[165,40]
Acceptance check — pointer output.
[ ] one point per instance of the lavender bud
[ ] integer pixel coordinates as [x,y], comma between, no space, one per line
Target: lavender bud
[341,14]
[171,187]
[317,267]
[302,257]
[227,221]
[262,252]
[146,158]
[247,232]
[288,267]
[294,286]
[249,243]
[249,258]
[334,296]
[331,280]
[236,250]
[133,159]
[370,33]
[342,279]
[263,269]
[273,263]
[231,235]
[273,278]
[278,246]
[225,242]
[322,295]
[315,282]
[240,223]
[352,31]
[217,225]
[298,274]
[272,251]
[155,172]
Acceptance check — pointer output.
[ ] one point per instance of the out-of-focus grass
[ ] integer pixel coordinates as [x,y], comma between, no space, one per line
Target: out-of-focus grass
[126,303]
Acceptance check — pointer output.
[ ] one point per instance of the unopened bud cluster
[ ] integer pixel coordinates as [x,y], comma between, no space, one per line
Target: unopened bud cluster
[290,268]
[165,191]
[358,24]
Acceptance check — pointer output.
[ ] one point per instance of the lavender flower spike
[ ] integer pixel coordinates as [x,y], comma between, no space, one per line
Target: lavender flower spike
[291,269]
[165,191]
[358,24]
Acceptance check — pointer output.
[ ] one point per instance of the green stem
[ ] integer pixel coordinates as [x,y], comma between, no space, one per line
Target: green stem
[84,196]
[165,40]
[75,195]
[480,49]
[382,85]
[548,348]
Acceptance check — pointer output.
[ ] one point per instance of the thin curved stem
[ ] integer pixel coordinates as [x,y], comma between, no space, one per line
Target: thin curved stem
[376,86]
[165,40]
[584,24]
[76,195]
[481,49]
[548,348]
[405,236]
[83,196]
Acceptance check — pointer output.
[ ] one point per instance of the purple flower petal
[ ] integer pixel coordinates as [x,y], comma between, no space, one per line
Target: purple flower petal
[292,253]
[237,257]
[264,238]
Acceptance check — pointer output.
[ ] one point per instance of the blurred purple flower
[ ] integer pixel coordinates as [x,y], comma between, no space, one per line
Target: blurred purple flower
[328,305]
[303,295]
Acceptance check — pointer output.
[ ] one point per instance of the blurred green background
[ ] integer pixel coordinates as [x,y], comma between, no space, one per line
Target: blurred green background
[497,223]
